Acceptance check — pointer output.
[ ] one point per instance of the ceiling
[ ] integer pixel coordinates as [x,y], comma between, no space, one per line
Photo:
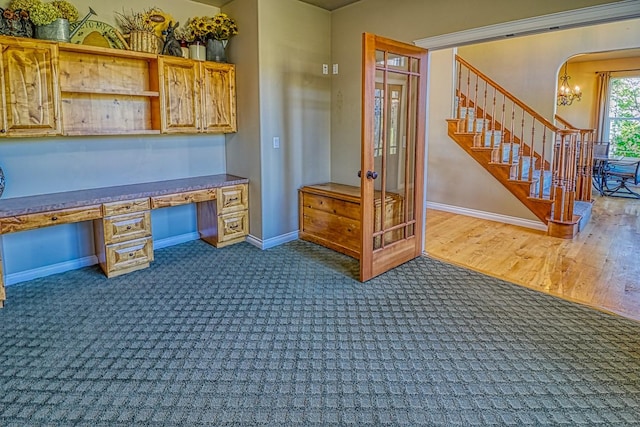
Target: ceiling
[603,56]
[324,4]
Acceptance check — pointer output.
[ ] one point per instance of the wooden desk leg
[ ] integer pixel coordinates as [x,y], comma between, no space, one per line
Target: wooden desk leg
[3,295]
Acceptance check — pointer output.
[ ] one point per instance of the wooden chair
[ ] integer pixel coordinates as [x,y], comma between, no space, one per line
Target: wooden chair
[622,173]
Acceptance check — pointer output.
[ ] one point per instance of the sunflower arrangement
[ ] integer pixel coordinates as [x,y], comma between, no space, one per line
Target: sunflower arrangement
[218,27]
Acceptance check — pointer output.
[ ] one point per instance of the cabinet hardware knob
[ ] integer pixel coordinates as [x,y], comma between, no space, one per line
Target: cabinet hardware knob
[128,227]
[130,254]
[3,131]
[54,218]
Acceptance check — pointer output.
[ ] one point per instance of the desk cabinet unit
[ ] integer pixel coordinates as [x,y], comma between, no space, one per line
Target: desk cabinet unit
[225,221]
[197,96]
[123,237]
[121,216]
[30,103]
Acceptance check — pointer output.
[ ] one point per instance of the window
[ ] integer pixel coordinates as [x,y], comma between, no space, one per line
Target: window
[624,116]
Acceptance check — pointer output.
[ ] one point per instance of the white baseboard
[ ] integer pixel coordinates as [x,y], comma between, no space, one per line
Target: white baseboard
[272,242]
[505,219]
[175,240]
[74,264]
[61,267]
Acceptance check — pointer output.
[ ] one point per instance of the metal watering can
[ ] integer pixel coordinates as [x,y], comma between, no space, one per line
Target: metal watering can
[58,30]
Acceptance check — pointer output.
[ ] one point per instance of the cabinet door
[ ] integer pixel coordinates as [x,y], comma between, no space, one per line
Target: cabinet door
[218,97]
[31,92]
[179,95]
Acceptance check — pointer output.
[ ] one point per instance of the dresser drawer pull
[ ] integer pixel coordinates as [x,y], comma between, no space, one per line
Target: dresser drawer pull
[131,254]
[128,227]
[54,218]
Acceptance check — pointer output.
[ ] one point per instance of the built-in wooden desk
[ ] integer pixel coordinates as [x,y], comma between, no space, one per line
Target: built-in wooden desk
[122,220]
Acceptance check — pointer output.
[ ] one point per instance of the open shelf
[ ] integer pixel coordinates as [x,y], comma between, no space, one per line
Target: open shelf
[80,132]
[146,93]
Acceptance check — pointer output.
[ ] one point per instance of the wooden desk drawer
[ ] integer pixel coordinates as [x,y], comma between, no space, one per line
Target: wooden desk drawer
[232,226]
[184,198]
[128,256]
[126,206]
[45,219]
[127,227]
[233,198]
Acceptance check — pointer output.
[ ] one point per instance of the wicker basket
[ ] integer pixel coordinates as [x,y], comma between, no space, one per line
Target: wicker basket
[143,41]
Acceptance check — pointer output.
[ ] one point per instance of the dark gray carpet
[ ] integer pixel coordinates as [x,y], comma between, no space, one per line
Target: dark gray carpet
[239,336]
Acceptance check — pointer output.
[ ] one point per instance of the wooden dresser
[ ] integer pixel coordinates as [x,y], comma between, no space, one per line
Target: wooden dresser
[121,216]
[329,215]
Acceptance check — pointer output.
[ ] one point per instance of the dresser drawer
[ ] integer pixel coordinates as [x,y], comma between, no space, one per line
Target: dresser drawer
[44,219]
[233,198]
[232,226]
[128,256]
[183,198]
[126,206]
[127,227]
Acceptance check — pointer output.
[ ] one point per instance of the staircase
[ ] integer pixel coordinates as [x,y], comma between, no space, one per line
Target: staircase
[536,161]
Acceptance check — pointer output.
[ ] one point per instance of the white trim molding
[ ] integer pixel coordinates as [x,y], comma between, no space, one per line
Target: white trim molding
[274,241]
[175,240]
[47,270]
[610,12]
[505,219]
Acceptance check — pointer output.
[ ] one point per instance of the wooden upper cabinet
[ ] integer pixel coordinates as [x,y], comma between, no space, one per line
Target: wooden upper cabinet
[49,88]
[30,93]
[218,97]
[179,95]
[197,97]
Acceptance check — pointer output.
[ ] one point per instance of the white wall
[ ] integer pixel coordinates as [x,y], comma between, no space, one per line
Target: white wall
[289,98]
[295,106]
[45,165]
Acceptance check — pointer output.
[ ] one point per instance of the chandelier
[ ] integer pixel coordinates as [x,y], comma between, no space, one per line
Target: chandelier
[566,94]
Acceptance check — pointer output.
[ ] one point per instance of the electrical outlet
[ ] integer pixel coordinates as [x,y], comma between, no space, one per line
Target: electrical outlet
[335,68]
[276,142]
[325,68]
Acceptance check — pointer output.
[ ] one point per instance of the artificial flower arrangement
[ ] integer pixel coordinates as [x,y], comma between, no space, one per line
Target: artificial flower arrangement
[43,13]
[218,27]
[15,22]
[152,20]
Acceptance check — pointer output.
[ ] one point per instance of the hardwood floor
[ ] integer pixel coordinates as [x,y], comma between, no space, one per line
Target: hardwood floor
[599,268]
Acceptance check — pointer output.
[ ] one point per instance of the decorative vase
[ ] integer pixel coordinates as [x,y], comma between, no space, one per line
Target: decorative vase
[58,31]
[216,50]
[197,51]
[143,41]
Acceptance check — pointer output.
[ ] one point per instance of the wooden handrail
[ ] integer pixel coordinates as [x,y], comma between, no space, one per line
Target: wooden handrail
[506,93]
[550,158]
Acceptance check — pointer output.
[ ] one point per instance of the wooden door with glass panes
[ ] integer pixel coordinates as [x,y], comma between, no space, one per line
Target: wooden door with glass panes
[393,132]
